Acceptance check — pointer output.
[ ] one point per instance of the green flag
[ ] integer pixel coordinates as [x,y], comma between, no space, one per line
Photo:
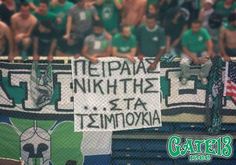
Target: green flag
[214,96]
[41,85]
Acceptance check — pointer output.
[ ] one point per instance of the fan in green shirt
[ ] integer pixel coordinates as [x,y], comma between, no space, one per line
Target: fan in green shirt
[60,10]
[225,8]
[198,49]
[124,44]
[109,13]
[49,20]
[195,42]
[152,40]
[34,4]
[44,34]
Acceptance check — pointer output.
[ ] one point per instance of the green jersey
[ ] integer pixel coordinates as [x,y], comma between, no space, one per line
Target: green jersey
[36,2]
[124,45]
[109,14]
[61,10]
[196,42]
[48,17]
[220,8]
[45,22]
[151,40]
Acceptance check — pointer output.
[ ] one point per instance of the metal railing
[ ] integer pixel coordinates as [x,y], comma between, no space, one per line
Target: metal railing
[66,59]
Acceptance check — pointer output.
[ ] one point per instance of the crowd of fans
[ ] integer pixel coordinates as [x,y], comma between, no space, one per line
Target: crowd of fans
[198,30]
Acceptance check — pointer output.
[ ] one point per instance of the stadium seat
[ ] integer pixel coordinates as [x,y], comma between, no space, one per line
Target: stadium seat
[156,155]
[154,145]
[190,127]
[128,154]
[97,160]
[158,162]
[4,119]
[124,144]
[165,128]
[230,128]
[127,162]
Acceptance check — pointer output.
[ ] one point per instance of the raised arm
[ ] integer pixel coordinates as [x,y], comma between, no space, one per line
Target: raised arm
[68,27]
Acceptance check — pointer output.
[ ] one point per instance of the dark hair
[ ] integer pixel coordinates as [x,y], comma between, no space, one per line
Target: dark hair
[232,17]
[197,22]
[45,2]
[98,24]
[151,16]
[123,26]
[77,1]
[24,4]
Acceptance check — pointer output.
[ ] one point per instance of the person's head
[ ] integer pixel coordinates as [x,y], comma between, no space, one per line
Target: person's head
[99,2]
[229,2]
[151,21]
[43,6]
[126,31]
[208,4]
[61,1]
[232,19]
[98,28]
[80,3]
[152,9]
[196,25]
[24,10]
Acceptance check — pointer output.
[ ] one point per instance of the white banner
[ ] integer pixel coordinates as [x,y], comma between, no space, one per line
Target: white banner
[115,95]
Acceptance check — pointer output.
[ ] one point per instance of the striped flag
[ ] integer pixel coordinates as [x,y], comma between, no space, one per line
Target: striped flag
[215,91]
[230,80]
[41,85]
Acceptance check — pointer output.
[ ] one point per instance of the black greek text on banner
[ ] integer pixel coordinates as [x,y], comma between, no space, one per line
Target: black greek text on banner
[115,95]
